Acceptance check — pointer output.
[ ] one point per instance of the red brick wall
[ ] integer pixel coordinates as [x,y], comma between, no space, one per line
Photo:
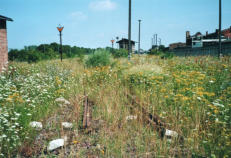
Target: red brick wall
[3,49]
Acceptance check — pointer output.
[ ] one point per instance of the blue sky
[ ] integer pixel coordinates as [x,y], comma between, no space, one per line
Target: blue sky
[93,23]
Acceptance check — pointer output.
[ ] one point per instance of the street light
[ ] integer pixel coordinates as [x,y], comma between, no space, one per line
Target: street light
[220,50]
[129,30]
[60,29]
[139,38]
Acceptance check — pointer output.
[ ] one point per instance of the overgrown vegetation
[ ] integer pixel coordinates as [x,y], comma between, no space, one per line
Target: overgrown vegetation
[162,53]
[192,95]
[120,53]
[100,57]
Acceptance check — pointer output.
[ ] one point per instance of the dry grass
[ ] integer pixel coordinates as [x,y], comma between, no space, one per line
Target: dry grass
[112,135]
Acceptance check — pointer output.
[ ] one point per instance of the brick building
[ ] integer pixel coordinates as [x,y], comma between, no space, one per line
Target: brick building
[3,42]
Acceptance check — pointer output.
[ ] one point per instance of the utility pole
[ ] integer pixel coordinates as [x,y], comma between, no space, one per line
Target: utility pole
[129,30]
[220,50]
[139,38]
[156,40]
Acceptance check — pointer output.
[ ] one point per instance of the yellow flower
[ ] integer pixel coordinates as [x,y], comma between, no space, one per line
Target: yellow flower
[184,98]
[9,99]
[200,93]
[75,142]
[58,81]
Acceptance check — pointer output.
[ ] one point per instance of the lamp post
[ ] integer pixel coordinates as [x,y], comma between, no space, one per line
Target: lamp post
[220,50]
[139,38]
[60,29]
[129,30]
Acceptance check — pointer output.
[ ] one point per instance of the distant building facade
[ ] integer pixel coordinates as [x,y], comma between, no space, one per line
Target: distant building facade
[199,40]
[203,44]
[123,44]
[3,42]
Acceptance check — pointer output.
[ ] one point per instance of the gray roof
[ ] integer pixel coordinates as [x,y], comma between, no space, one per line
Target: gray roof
[5,18]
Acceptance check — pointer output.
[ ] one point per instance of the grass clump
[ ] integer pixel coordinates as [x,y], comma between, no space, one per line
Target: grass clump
[99,58]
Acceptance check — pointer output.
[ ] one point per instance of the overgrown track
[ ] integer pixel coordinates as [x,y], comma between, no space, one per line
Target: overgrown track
[159,125]
[87,115]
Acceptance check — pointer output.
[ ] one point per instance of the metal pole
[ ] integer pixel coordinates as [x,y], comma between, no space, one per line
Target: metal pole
[129,30]
[220,50]
[139,38]
[156,40]
[159,41]
[61,47]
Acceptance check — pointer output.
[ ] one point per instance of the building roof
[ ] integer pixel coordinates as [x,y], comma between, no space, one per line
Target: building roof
[124,40]
[5,18]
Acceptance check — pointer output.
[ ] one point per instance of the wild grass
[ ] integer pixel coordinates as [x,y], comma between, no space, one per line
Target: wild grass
[191,95]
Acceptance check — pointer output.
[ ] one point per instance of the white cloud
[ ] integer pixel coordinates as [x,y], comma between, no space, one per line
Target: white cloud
[78,15]
[103,5]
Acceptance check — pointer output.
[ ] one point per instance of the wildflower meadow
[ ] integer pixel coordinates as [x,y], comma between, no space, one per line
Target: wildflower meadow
[192,95]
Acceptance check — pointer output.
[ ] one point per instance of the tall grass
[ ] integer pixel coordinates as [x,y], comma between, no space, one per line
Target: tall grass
[191,95]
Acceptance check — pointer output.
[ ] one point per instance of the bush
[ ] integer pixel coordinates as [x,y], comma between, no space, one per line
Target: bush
[118,53]
[99,58]
[166,55]
[33,57]
[162,54]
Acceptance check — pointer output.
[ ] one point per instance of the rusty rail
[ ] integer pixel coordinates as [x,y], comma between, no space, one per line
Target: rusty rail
[159,125]
[87,116]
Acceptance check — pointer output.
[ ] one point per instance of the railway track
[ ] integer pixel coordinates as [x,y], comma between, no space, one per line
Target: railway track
[87,115]
[157,123]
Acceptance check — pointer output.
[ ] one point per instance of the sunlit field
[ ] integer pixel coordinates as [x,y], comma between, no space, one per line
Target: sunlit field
[192,96]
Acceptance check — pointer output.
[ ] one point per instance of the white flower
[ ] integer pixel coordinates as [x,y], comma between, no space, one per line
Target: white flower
[218,104]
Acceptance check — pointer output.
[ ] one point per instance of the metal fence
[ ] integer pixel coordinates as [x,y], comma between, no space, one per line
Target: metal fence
[204,51]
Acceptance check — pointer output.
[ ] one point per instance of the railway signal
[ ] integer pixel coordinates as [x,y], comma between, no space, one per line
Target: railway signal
[60,29]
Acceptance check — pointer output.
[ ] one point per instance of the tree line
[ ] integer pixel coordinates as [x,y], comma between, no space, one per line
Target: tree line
[46,52]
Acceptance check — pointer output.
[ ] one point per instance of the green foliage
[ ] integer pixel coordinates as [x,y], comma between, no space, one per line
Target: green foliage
[33,56]
[166,55]
[46,52]
[99,58]
[153,52]
[163,54]
[119,53]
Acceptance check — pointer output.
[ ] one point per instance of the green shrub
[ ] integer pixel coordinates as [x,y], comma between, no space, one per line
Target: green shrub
[162,54]
[118,53]
[166,55]
[99,58]
[33,57]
